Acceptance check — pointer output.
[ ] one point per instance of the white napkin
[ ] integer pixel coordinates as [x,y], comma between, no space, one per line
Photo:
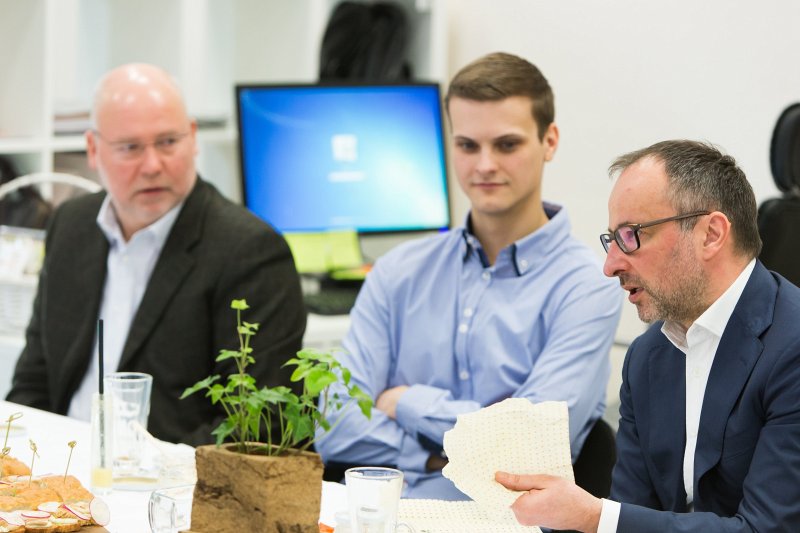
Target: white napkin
[514,436]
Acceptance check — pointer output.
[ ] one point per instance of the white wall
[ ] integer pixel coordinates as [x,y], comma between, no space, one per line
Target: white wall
[628,73]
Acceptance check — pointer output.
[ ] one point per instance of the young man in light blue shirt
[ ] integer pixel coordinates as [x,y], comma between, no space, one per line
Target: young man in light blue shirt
[509,305]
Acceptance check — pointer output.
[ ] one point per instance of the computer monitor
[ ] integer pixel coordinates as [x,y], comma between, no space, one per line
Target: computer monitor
[322,157]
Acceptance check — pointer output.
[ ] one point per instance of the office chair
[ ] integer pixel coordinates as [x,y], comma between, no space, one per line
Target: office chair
[593,467]
[779,218]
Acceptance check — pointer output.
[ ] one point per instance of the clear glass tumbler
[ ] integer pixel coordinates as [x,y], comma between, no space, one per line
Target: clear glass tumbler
[170,509]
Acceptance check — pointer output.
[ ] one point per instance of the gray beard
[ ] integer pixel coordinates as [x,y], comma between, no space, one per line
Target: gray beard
[683,299]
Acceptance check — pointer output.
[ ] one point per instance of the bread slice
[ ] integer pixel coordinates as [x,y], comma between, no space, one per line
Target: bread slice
[69,489]
[65,525]
[39,526]
[10,466]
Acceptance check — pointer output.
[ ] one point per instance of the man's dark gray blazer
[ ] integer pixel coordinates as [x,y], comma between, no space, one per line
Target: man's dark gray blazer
[216,252]
[747,464]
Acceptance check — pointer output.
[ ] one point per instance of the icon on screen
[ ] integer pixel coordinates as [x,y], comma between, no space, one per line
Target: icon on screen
[345,147]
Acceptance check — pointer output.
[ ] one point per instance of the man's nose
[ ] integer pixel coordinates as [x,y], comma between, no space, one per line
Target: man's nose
[486,162]
[151,160]
[615,261]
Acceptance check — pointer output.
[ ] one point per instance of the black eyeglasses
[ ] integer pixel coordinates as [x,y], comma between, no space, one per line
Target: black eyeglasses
[627,235]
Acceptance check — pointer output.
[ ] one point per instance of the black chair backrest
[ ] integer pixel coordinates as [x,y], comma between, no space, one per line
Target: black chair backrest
[779,218]
[365,41]
[784,151]
[593,467]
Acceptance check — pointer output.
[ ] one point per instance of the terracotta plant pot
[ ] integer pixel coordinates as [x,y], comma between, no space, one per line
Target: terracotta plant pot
[246,492]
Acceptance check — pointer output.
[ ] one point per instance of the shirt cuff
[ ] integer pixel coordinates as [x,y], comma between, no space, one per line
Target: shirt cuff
[414,405]
[609,517]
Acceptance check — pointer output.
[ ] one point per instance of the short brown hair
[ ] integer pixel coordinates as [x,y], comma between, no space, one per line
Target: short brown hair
[702,178]
[500,75]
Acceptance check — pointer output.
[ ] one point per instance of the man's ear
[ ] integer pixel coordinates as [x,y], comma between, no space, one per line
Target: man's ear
[91,149]
[193,134]
[717,233]
[550,141]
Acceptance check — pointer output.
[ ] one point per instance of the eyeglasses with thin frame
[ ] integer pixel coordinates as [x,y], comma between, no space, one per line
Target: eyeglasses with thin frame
[627,235]
[134,150]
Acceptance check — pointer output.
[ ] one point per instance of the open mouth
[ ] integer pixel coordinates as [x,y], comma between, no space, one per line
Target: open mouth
[634,291]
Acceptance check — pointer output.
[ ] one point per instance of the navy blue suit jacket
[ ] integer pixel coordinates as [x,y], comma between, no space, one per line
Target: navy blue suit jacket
[747,463]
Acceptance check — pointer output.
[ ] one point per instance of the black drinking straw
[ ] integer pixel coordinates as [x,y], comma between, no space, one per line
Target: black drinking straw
[100,354]
[100,408]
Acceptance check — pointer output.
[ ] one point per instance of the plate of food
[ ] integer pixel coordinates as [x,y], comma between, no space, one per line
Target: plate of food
[47,504]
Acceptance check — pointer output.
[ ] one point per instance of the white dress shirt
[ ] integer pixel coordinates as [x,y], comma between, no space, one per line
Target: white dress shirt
[129,266]
[699,343]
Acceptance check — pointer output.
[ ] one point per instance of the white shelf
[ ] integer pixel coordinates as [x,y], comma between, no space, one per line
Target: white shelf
[15,145]
[52,52]
[67,143]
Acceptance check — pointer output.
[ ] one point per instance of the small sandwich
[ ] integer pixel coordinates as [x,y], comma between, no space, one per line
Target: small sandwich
[65,525]
[10,466]
[68,489]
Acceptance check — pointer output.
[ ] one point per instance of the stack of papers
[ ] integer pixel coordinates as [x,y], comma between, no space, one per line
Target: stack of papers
[513,436]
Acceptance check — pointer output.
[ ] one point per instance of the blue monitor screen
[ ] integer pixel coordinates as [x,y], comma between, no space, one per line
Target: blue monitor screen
[321,157]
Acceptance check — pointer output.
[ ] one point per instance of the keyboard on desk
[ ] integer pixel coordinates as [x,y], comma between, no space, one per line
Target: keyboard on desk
[331,301]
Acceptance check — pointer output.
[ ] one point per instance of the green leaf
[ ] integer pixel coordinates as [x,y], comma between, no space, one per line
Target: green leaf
[324,424]
[224,430]
[307,353]
[242,380]
[227,354]
[311,354]
[239,305]
[275,395]
[301,371]
[203,384]
[303,429]
[317,379]
[363,399]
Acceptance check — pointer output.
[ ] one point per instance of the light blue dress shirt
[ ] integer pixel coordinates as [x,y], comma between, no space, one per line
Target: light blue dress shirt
[432,314]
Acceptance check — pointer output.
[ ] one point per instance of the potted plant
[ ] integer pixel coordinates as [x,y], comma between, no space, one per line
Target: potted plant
[254,479]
